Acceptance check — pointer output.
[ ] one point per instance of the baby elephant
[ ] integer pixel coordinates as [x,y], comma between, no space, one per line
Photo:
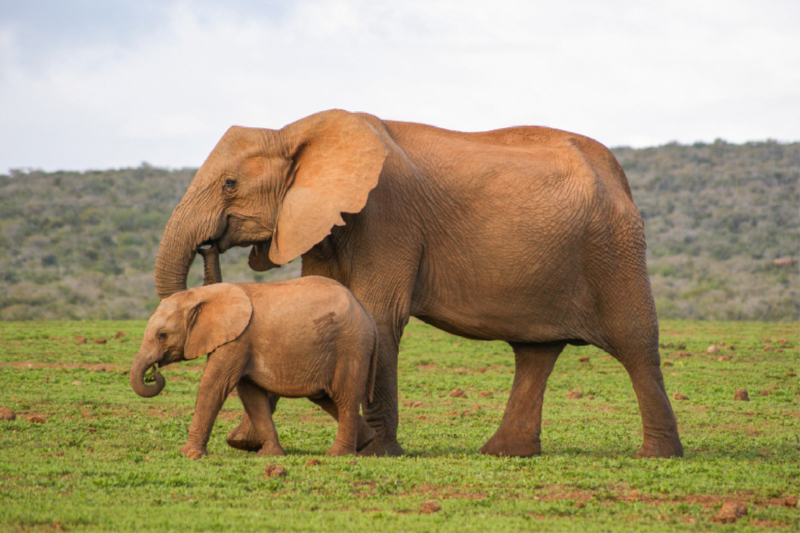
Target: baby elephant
[308,337]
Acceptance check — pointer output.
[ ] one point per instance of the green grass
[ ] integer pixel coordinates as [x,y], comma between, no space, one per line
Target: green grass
[106,459]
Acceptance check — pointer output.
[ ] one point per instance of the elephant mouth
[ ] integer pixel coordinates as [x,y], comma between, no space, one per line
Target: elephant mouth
[206,246]
[211,249]
[239,232]
[168,359]
[225,243]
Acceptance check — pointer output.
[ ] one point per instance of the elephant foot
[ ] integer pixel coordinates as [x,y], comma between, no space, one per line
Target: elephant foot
[379,447]
[271,449]
[338,450]
[366,435]
[500,446]
[664,447]
[244,437]
[193,452]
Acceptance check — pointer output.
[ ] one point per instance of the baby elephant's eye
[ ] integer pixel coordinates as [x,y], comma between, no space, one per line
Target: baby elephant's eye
[229,184]
[161,336]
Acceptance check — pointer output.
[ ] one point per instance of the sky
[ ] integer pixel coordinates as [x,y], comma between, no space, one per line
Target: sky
[93,84]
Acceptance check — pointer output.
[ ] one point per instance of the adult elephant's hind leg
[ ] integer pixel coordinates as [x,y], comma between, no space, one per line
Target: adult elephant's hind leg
[519,431]
[627,313]
[659,426]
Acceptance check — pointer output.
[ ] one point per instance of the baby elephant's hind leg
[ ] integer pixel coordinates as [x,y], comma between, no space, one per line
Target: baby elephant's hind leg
[257,403]
[365,432]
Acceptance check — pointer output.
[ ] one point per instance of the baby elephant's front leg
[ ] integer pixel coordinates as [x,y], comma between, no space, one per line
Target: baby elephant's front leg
[214,389]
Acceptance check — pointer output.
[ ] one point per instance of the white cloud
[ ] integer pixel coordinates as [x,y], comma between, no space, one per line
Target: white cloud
[624,72]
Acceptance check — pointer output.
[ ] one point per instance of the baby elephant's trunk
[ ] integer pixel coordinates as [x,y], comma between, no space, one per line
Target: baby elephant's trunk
[137,378]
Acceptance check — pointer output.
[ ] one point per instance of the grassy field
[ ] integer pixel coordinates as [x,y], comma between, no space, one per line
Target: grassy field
[104,459]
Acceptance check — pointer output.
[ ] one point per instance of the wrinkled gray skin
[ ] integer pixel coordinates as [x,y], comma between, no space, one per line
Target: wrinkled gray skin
[527,234]
[307,337]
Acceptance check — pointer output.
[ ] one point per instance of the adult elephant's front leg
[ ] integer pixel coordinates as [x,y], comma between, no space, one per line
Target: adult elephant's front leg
[245,436]
[518,434]
[382,413]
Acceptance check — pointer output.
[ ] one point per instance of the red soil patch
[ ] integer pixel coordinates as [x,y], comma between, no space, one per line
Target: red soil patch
[603,409]
[442,493]
[88,366]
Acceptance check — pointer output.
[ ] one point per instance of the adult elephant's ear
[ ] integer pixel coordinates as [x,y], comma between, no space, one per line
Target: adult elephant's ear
[337,158]
[215,315]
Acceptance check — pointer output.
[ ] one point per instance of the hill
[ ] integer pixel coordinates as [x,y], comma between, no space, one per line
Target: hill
[716,217]
[82,245]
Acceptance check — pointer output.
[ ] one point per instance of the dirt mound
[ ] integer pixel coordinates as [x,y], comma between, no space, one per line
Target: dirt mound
[274,471]
[741,395]
[429,507]
[730,513]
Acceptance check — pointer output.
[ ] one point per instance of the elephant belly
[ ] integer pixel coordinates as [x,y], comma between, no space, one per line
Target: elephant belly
[290,377]
[514,304]
[511,327]
[283,387]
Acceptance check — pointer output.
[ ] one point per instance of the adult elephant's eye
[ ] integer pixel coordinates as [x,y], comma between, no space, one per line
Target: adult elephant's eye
[229,184]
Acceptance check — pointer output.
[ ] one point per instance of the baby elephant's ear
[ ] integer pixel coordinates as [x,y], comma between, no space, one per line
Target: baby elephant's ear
[216,315]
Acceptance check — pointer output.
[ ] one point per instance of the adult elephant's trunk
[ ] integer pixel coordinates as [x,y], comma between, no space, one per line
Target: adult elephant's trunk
[211,271]
[140,365]
[175,255]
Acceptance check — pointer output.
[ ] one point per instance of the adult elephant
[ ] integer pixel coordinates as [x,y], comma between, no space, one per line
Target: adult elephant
[525,234]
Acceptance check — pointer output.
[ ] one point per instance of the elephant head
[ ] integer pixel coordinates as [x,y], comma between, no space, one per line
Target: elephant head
[187,325]
[280,191]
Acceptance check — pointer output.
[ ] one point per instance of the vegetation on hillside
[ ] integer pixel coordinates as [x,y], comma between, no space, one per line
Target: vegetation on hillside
[717,216]
[82,245]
